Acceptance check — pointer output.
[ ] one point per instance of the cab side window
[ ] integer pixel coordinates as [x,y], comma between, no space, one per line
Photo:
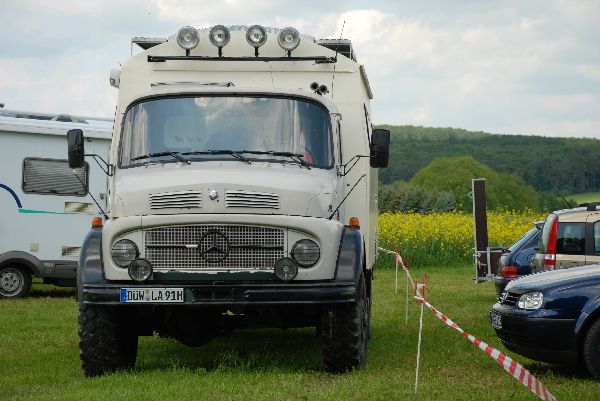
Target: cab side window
[570,239]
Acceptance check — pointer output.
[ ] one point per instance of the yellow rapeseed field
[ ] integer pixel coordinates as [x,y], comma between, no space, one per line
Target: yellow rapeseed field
[447,238]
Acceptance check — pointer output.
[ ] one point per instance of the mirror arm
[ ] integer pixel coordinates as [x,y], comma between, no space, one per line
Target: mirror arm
[352,162]
[105,167]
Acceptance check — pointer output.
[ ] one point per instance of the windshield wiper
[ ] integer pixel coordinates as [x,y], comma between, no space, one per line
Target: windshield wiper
[235,153]
[175,155]
[298,158]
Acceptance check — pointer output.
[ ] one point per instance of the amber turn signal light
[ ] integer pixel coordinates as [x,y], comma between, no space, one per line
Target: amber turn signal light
[97,222]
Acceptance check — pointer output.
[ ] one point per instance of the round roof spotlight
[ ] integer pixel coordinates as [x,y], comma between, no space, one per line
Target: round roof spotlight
[219,36]
[289,39]
[187,38]
[286,269]
[256,37]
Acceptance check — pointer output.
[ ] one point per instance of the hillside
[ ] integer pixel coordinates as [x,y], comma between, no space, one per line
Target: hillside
[561,165]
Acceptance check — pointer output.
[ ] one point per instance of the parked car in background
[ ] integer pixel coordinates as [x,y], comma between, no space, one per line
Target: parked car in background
[516,261]
[569,238]
[553,317]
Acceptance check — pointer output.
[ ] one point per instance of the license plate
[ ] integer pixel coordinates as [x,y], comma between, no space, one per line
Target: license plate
[496,319]
[151,295]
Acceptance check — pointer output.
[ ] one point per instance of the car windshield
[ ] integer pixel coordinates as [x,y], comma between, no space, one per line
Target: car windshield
[270,128]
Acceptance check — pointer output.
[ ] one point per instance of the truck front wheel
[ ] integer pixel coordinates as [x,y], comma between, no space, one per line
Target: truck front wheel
[107,340]
[344,333]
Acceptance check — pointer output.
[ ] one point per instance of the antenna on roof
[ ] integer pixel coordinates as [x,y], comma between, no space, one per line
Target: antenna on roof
[337,48]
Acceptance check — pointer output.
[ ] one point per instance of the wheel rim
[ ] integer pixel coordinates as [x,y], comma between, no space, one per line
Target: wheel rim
[11,281]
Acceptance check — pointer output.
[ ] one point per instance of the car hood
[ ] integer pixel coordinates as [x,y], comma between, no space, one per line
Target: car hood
[557,278]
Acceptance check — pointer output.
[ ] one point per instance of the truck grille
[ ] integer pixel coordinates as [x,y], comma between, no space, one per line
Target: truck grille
[214,247]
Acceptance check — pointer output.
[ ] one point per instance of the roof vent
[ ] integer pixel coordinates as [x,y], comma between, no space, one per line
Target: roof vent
[342,46]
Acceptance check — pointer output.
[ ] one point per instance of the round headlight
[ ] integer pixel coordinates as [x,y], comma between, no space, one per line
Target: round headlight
[256,36]
[531,300]
[286,269]
[140,270]
[288,39]
[306,252]
[123,252]
[187,37]
[219,35]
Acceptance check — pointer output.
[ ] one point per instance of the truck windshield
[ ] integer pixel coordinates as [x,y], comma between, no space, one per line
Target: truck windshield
[262,126]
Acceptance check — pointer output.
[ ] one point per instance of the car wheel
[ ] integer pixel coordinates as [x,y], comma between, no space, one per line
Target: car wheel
[15,282]
[591,349]
[344,333]
[107,341]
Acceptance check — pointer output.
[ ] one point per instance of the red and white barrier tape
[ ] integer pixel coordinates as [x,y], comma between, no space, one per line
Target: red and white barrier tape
[510,365]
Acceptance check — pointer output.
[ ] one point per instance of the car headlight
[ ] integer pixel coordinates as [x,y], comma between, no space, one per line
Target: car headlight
[306,252]
[286,269]
[124,252]
[531,300]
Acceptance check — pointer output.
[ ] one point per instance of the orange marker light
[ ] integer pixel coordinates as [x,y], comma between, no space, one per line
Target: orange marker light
[354,222]
[97,222]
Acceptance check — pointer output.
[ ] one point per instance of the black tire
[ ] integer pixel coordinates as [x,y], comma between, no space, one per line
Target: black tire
[345,332]
[15,281]
[107,340]
[591,349]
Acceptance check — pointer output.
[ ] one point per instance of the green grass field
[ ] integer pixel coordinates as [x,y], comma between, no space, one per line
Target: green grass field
[39,356]
[586,197]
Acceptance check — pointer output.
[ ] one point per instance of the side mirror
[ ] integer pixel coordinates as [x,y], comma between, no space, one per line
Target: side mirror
[380,148]
[75,148]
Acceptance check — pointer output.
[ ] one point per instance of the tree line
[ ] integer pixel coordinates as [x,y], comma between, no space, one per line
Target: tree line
[559,165]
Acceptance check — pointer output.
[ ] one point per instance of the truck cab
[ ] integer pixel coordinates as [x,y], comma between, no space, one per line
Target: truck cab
[242,194]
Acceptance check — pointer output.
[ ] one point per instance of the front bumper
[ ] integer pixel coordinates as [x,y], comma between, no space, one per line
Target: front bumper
[233,293]
[539,338]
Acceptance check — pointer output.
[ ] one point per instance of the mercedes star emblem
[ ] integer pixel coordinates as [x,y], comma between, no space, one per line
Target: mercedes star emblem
[213,194]
[214,246]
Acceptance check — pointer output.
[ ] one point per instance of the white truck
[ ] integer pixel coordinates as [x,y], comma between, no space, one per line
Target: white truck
[242,194]
[45,209]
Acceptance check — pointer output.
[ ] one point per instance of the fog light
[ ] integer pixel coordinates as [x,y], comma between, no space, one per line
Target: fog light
[288,39]
[306,252]
[256,36]
[286,269]
[219,36]
[140,270]
[187,37]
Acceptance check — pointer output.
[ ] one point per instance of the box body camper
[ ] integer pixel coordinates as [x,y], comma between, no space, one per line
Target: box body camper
[243,194]
[45,209]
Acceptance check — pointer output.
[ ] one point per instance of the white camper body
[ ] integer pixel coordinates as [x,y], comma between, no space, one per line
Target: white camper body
[243,194]
[45,212]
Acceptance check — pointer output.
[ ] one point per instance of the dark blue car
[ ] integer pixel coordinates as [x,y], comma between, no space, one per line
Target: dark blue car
[553,317]
[516,260]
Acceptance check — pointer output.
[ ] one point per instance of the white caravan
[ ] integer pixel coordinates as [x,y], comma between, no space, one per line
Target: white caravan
[242,194]
[45,209]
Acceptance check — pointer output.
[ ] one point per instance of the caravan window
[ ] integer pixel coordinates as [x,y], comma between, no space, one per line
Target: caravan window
[53,177]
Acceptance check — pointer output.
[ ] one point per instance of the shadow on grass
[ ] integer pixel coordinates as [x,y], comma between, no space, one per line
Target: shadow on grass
[51,291]
[290,350]
[566,371]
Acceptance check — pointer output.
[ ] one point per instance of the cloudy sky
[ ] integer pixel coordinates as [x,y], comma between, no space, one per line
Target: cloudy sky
[513,66]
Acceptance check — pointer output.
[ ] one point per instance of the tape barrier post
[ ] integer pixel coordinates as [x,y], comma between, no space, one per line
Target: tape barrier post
[514,368]
[419,293]
[406,306]
[397,253]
